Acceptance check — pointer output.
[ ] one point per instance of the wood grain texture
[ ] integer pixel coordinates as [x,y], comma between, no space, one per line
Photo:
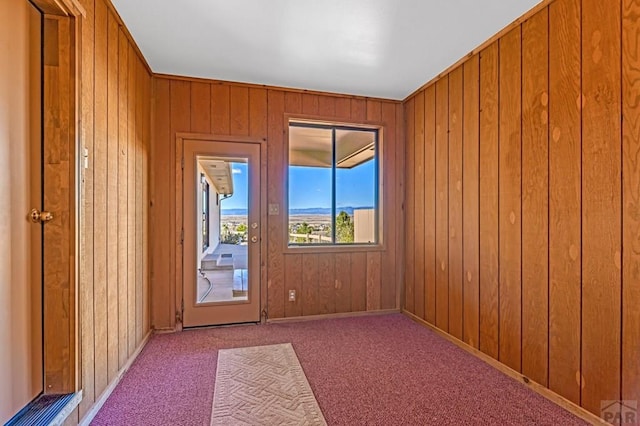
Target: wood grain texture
[113,363]
[220,109]
[409,280]
[535,197]
[358,282]
[201,107]
[631,199]
[277,283]
[419,207]
[100,200]
[471,204]
[373,281]
[510,199]
[310,287]
[326,283]
[86,279]
[442,204]
[399,188]
[390,196]
[123,133]
[565,168]
[131,205]
[258,121]
[489,270]
[239,110]
[343,282]
[430,205]
[456,121]
[601,203]
[161,240]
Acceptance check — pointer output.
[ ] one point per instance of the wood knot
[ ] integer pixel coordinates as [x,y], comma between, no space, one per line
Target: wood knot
[544,99]
[512,218]
[556,134]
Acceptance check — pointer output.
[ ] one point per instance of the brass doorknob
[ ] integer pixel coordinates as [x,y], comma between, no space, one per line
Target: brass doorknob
[254,239]
[40,217]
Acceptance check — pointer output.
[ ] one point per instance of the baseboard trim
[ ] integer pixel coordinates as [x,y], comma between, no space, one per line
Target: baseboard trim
[534,386]
[333,316]
[91,414]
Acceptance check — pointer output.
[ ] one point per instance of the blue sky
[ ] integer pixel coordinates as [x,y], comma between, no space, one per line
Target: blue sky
[310,187]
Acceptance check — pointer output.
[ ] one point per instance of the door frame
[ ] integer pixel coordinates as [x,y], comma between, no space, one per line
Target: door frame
[178,233]
[61,46]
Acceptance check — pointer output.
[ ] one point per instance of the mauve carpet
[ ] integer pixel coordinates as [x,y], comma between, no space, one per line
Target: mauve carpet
[374,370]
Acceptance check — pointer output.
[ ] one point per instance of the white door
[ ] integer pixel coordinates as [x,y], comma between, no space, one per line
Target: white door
[21,368]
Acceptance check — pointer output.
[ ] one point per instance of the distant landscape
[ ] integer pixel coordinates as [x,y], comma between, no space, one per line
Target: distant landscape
[296,212]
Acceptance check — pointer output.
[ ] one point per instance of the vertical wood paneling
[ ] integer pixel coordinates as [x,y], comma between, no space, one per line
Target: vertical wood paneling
[442,203]
[100,200]
[113,363]
[471,205]
[535,197]
[510,199]
[549,202]
[310,104]
[123,318]
[343,283]
[220,109]
[278,283]
[139,184]
[112,83]
[631,200]
[161,247]
[373,281]
[258,120]
[200,107]
[489,200]
[131,197]
[310,294]
[389,197]
[601,202]
[86,278]
[239,110]
[327,106]
[430,204]
[455,202]
[409,283]
[358,282]
[326,283]
[565,153]
[343,108]
[399,187]
[358,109]
[419,207]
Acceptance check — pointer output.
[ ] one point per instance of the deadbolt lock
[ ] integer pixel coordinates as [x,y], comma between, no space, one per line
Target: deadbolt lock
[40,217]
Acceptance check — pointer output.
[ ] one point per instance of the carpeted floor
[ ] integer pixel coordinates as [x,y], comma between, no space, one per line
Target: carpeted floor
[376,370]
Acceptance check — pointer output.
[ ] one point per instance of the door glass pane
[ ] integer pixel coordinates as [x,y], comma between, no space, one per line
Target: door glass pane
[222,270]
[355,186]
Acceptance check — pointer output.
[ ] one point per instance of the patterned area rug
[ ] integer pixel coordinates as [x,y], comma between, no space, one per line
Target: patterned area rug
[263,385]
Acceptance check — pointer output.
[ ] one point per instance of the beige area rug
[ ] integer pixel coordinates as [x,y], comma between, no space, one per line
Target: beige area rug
[263,385]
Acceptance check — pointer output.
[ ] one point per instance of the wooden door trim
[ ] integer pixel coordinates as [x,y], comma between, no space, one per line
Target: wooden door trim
[177,231]
[60,77]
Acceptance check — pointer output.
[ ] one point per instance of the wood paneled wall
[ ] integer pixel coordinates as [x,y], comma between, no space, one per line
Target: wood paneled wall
[523,200]
[326,283]
[115,111]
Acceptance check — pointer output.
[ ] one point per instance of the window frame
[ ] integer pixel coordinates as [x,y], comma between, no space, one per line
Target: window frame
[380,231]
[205,193]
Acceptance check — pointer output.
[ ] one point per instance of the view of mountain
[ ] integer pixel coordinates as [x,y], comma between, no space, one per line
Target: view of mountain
[309,211]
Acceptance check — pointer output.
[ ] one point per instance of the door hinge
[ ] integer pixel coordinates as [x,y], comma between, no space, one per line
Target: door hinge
[182,163]
[182,236]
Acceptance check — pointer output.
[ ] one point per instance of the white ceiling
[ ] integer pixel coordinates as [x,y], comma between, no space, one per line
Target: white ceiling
[377,48]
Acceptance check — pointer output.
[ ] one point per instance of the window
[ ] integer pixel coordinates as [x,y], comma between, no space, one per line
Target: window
[333,184]
[205,212]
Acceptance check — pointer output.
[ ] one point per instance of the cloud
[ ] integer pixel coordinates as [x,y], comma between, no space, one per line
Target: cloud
[236,171]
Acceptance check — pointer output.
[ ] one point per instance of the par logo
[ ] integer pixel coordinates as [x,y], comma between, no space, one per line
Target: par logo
[623,412]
